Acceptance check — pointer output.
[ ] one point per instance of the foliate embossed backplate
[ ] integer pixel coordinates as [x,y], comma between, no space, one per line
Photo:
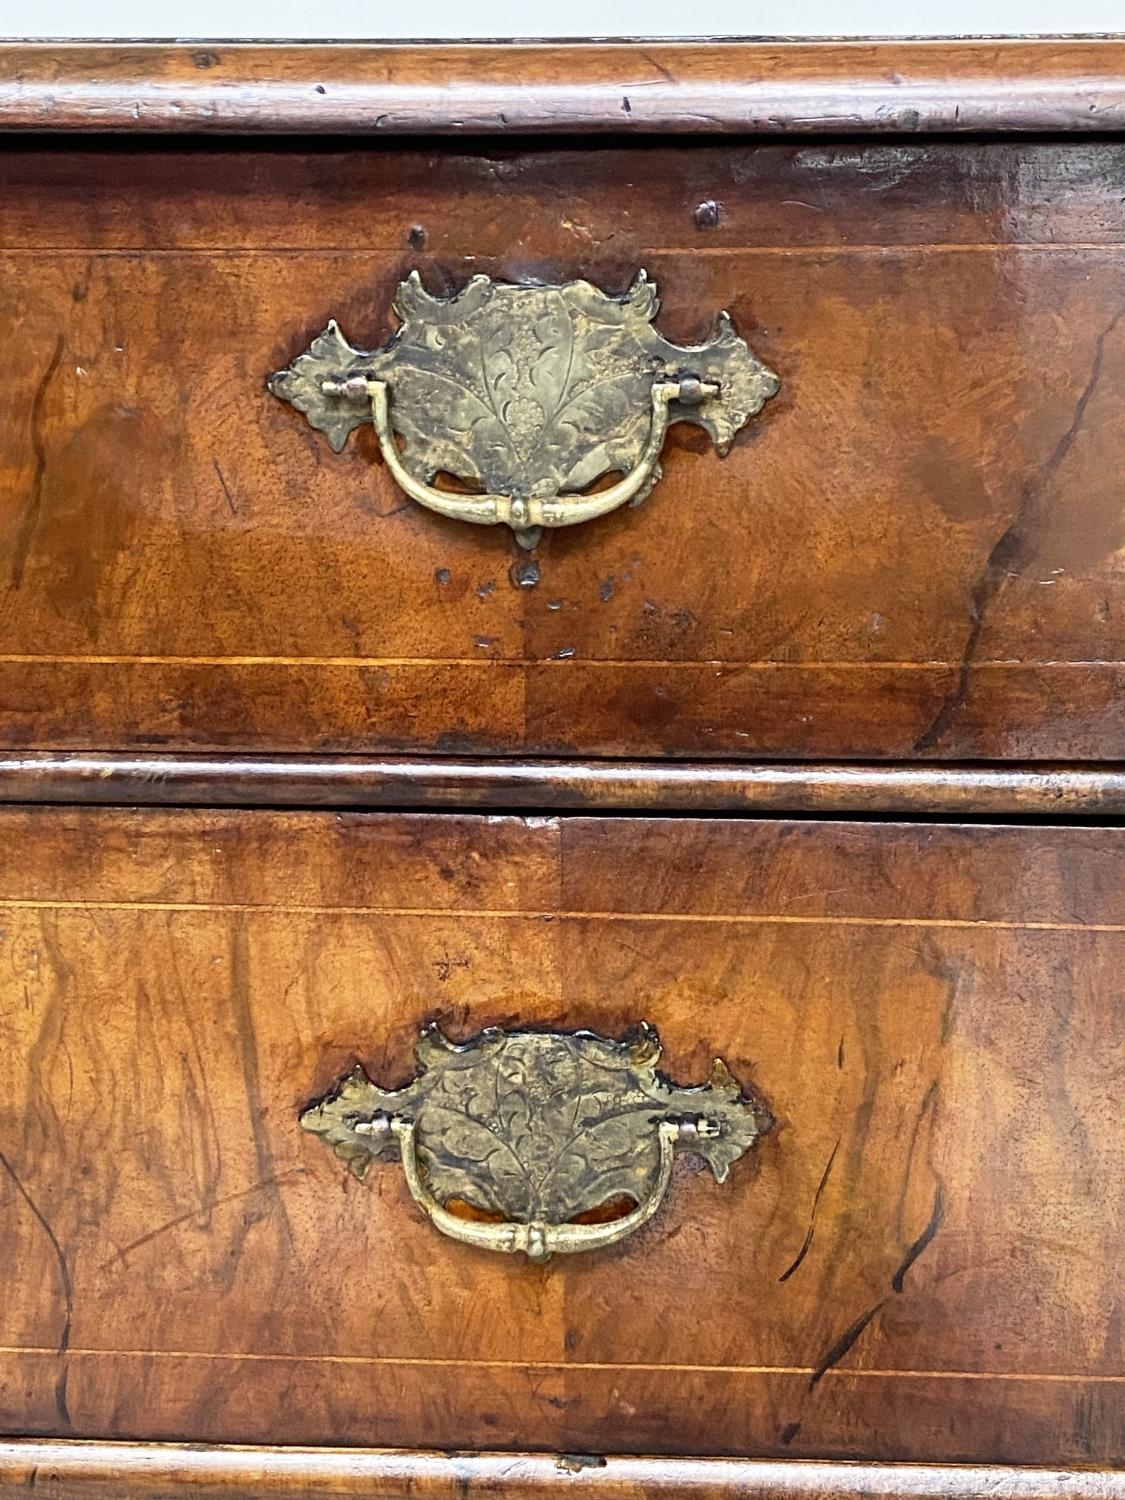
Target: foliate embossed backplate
[539,1126]
[527,389]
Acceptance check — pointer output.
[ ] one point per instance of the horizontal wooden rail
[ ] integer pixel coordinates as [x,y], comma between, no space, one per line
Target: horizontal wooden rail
[709,87]
[627,786]
[126,1471]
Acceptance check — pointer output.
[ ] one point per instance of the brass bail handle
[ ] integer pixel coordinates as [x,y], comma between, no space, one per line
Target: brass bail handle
[526,515]
[539,1241]
[532,394]
[584,1122]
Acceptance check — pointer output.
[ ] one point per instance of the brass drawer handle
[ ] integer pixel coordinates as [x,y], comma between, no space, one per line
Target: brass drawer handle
[538,1241]
[527,517]
[530,394]
[531,1131]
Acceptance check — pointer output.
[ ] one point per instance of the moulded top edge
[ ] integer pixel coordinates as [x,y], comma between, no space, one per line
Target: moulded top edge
[673,87]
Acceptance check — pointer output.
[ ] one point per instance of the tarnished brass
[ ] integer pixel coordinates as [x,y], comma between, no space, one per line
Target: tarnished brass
[535,1129]
[528,395]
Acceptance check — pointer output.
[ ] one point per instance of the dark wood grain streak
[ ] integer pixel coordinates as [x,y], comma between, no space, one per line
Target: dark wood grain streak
[117,1471]
[560,785]
[691,87]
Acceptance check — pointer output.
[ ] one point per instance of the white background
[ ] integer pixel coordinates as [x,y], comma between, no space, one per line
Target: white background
[378,19]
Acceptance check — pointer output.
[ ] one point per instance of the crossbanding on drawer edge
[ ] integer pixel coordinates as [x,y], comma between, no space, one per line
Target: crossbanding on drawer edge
[917,1262]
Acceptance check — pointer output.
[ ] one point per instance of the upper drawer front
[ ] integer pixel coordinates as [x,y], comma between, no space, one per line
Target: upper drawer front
[914,549]
[921,1261]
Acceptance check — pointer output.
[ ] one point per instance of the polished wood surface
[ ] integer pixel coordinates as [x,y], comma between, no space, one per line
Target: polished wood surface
[829,87]
[996,791]
[915,552]
[920,1263]
[898,596]
[115,1471]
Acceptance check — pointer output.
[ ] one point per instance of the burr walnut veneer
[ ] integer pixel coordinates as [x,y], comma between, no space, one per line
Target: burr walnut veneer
[797,785]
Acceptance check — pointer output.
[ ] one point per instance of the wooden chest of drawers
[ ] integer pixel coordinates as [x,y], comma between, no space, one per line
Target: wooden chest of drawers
[465,850]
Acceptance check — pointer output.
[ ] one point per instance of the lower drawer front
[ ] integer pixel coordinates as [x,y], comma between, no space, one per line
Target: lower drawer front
[921,1260]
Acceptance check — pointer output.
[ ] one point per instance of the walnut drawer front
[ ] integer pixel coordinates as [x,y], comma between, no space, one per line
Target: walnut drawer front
[920,1261]
[912,551]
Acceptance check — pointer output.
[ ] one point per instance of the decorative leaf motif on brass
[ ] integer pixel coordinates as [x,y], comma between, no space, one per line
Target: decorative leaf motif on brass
[527,394]
[534,1129]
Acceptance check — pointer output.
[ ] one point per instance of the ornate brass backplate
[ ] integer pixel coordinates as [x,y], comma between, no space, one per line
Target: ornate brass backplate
[534,1129]
[528,394]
